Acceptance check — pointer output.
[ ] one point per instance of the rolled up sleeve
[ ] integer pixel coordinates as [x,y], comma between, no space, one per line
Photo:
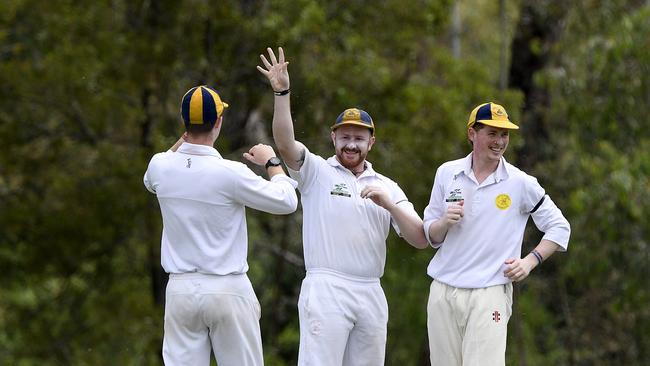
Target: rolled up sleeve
[549,219]
[435,209]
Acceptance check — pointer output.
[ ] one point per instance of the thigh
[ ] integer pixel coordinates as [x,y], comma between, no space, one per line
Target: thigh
[444,331]
[186,340]
[234,327]
[487,327]
[324,325]
[367,340]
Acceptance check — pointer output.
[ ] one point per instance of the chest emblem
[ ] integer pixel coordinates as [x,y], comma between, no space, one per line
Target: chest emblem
[455,195]
[503,201]
[340,190]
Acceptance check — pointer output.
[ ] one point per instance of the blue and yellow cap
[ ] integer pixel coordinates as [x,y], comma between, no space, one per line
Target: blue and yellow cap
[491,114]
[354,116]
[201,105]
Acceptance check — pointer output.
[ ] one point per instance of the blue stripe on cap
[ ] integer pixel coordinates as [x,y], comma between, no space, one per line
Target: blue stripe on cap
[209,107]
[365,117]
[485,112]
[185,105]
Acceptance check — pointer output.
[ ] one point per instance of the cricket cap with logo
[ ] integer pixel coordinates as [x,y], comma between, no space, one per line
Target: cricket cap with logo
[491,114]
[354,116]
[201,105]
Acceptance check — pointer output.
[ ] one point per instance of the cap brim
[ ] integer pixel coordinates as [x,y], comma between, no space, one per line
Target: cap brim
[337,125]
[499,124]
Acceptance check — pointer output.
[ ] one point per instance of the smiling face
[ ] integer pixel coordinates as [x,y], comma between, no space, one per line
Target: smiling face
[489,143]
[352,144]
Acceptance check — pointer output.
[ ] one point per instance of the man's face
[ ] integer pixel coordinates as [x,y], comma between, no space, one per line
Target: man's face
[352,144]
[489,142]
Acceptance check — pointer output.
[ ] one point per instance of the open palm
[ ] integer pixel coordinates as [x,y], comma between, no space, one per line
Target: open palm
[275,70]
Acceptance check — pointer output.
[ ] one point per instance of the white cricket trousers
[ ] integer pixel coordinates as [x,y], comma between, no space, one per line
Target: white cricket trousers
[204,312]
[468,327]
[343,320]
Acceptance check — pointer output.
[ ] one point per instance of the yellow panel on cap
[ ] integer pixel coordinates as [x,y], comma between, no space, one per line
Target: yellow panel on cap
[196,107]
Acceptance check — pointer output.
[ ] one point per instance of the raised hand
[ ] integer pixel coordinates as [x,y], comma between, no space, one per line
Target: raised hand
[259,154]
[275,70]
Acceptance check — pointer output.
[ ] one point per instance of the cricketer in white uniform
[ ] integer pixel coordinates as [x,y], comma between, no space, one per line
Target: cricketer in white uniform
[348,209]
[210,303]
[476,218]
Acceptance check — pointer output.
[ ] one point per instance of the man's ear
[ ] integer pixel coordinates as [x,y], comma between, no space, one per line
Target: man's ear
[333,137]
[372,142]
[471,134]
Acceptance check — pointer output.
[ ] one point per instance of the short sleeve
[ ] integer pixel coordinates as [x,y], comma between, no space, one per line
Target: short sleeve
[399,198]
[308,173]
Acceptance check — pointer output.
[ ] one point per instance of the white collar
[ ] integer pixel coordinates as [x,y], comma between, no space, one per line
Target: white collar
[195,149]
[465,167]
[333,161]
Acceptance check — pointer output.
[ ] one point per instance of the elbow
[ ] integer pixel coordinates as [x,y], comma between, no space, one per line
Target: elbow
[419,239]
[291,205]
[285,148]
[424,244]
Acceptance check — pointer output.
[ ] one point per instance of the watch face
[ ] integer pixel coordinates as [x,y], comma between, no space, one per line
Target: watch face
[274,161]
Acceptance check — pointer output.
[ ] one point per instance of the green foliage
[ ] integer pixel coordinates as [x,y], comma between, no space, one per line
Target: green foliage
[599,116]
[90,90]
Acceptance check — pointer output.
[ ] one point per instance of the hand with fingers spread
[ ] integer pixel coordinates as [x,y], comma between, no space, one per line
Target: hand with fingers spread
[259,154]
[454,213]
[518,269]
[378,195]
[275,70]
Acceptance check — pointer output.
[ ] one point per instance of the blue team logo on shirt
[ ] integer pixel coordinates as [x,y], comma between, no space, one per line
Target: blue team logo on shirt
[340,190]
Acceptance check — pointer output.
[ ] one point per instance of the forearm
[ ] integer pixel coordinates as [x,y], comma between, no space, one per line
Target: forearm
[283,133]
[438,231]
[275,170]
[410,226]
[177,144]
[546,248]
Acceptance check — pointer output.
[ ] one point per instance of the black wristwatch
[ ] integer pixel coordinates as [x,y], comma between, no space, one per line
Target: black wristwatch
[274,161]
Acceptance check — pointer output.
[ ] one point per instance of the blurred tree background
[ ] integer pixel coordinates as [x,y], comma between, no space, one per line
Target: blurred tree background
[90,90]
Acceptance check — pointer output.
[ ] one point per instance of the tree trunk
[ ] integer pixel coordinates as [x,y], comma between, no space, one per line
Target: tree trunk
[539,27]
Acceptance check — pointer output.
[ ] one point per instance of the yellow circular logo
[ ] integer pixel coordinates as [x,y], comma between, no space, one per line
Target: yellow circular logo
[503,201]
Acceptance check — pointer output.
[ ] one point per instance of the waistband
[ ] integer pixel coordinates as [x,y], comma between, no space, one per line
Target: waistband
[345,276]
[205,276]
[504,285]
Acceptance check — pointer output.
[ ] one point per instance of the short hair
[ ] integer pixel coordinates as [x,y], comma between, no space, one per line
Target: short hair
[477,126]
[202,129]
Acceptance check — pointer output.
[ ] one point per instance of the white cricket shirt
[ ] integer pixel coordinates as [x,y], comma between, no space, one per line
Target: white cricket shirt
[343,232]
[202,200]
[492,229]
